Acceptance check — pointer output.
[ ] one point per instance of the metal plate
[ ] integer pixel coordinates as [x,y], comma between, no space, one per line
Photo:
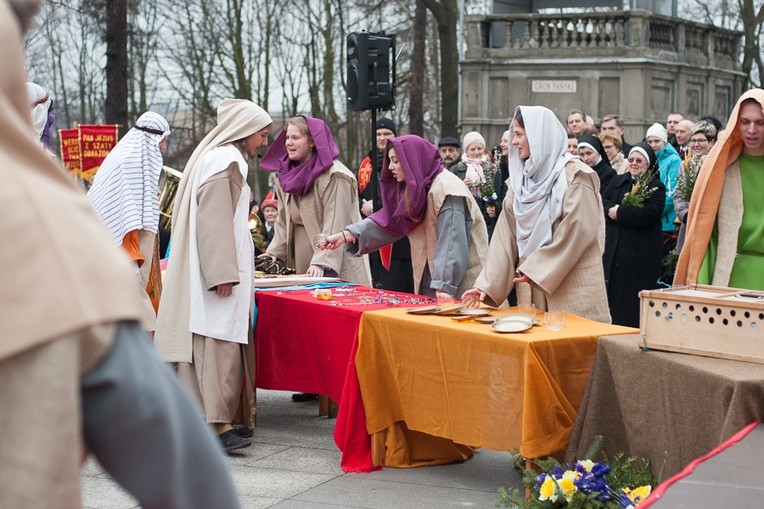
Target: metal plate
[475,311]
[511,326]
[450,310]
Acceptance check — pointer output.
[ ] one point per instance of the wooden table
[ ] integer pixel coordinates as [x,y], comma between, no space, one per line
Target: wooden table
[668,407]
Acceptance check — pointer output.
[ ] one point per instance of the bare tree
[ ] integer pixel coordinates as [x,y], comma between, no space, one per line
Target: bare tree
[418,62]
[446,15]
[751,17]
[144,28]
[115,107]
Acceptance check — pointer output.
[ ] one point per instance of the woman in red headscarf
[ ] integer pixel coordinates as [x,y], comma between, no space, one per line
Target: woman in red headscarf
[434,209]
[316,194]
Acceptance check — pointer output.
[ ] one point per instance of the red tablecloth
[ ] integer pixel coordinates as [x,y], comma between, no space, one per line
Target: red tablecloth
[308,345]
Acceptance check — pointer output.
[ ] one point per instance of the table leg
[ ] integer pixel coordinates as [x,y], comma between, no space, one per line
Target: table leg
[327,407]
[378,448]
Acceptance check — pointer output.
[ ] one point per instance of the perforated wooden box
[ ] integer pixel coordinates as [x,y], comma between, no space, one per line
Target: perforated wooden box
[704,320]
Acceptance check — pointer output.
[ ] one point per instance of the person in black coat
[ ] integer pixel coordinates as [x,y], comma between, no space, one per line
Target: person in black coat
[633,250]
[592,153]
[393,272]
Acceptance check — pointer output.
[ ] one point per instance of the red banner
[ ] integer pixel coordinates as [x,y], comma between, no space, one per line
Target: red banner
[96,141]
[70,149]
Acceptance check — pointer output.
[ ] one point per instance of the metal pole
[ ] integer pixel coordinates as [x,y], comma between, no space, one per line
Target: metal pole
[374,182]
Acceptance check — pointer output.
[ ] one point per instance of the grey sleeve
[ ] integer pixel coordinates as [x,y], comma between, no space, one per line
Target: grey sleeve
[452,250]
[148,434]
[369,237]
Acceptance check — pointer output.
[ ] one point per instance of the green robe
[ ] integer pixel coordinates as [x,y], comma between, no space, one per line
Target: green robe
[748,269]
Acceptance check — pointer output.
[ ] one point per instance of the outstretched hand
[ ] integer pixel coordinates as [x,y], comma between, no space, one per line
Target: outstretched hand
[473,297]
[335,240]
[521,278]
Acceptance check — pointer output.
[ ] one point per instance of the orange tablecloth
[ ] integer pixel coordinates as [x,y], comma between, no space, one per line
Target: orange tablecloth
[423,377]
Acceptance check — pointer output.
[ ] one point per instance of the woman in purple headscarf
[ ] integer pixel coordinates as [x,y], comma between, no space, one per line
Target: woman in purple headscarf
[316,193]
[434,209]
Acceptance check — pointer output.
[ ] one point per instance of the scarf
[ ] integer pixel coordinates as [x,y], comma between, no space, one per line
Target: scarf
[124,190]
[474,171]
[539,182]
[297,178]
[404,203]
[707,194]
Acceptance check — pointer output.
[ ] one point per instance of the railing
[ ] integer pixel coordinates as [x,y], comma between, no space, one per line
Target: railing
[635,31]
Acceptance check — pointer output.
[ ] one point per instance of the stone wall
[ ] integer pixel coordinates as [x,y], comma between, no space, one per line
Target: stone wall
[640,65]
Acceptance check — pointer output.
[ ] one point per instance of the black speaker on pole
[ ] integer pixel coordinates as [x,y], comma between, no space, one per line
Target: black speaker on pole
[371,71]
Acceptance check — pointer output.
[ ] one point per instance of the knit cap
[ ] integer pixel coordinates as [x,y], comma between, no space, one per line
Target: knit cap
[658,131]
[470,138]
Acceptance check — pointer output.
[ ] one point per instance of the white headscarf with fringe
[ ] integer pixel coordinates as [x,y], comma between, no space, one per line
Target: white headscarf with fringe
[125,188]
[539,182]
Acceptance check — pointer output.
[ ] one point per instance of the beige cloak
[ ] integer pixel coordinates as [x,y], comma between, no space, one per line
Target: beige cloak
[319,215]
[568,274]
[237,119]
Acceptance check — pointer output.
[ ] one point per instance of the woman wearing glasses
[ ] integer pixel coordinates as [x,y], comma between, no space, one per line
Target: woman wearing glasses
[702,138]
[633,205]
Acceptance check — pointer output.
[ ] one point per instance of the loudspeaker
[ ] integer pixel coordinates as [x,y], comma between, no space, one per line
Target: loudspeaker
[370,71]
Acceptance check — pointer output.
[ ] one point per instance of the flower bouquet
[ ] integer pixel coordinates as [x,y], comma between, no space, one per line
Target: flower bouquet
[688,176]
[639,191]
[487,190]
[623,482]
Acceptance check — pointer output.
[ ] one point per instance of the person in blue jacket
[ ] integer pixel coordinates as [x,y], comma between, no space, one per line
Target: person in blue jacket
[670,163]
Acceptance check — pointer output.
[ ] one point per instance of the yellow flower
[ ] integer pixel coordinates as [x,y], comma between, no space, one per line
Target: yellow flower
[638,494]
[548,490]
[587,465]
[566,483]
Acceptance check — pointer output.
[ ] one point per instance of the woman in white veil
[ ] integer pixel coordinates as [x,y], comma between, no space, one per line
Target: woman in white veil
[549,239]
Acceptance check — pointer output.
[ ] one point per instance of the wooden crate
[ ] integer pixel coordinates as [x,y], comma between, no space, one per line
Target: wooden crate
[704,320]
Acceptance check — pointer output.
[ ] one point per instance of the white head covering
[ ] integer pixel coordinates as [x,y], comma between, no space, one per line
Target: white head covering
[658,131]
[237,119]
[124,190]
[40,102]
[539,182]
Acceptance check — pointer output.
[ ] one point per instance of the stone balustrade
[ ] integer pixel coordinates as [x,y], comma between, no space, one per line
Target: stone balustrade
[636,33]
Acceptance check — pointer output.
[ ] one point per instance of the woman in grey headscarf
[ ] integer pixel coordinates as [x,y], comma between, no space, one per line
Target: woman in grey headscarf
[550,236]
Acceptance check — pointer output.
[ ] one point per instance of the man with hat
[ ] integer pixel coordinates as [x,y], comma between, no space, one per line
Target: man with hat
[391,265]
[450,149]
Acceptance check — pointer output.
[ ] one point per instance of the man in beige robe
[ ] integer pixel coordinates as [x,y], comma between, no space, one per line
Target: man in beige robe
[76,370]
[204,315]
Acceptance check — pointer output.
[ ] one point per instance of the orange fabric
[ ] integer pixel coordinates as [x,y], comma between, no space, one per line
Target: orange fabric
[132,245]
[154,285]
[704,205]
[469,385]
[364,174]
